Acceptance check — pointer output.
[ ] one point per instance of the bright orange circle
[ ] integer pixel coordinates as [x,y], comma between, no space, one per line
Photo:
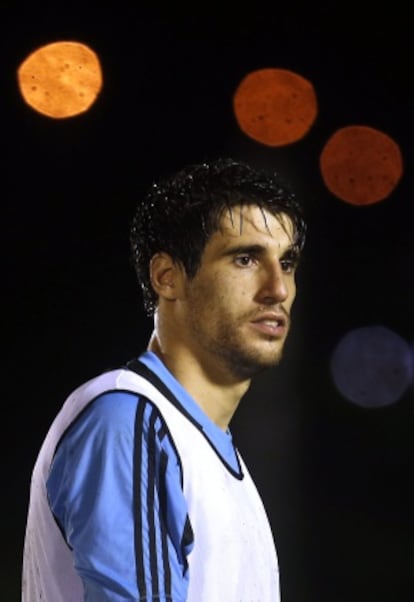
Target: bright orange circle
[275,106]
[61,79]
[361,165]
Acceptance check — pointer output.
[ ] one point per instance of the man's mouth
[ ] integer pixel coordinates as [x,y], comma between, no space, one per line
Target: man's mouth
[273,325]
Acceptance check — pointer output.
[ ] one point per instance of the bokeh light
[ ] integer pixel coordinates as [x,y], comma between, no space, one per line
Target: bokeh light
[412,362]
[361,165]
[372,366]
[275,107]
[61,79]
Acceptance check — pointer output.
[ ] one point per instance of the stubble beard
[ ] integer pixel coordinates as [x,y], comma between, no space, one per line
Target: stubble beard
[242,361]
[246,363]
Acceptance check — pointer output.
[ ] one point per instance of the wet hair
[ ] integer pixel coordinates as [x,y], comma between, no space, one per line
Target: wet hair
[179,214]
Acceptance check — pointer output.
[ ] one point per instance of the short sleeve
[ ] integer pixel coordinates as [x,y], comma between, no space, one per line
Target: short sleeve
[115,489]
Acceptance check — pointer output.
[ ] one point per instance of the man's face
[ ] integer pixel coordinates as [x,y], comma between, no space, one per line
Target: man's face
[235,312]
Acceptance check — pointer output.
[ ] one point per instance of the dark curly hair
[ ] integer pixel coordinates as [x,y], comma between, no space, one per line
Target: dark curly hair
[179,214]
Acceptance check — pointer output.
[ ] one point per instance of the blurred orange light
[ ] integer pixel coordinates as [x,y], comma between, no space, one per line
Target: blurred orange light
[275,106]
[61,79]
[361,165]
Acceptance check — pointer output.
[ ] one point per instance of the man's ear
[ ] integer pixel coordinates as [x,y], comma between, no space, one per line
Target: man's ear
[166,276]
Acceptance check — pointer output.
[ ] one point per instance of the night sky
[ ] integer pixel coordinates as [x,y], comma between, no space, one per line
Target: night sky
[335,476]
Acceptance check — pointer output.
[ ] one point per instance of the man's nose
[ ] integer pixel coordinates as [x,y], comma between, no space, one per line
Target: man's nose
[274,288]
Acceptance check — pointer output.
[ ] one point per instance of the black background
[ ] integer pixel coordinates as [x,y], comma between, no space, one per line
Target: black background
[335,477]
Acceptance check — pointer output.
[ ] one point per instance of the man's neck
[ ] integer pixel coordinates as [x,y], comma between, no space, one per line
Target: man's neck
[214,390]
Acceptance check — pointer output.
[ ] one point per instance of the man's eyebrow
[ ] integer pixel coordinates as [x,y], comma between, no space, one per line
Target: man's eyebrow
[240,249]
[291,252]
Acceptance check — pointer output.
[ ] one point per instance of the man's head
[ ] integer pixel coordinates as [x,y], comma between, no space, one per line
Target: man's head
[179,215]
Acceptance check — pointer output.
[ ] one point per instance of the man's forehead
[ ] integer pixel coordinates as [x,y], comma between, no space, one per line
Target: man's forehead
[245,219]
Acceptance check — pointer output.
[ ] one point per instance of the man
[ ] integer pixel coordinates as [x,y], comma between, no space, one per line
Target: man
[138,492]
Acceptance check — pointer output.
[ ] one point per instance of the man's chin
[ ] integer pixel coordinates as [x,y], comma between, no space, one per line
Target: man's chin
[248,365]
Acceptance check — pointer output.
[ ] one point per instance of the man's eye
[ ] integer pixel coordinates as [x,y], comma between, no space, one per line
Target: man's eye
[243,260]
[288,265]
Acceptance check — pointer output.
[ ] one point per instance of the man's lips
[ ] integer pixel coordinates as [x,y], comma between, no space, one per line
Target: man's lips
[271,324]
